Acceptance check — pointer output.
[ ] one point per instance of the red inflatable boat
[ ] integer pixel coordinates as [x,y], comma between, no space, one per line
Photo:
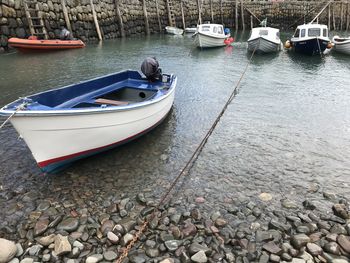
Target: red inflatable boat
[32,43]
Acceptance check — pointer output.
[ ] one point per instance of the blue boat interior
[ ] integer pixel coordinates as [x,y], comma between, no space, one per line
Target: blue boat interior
[116,89]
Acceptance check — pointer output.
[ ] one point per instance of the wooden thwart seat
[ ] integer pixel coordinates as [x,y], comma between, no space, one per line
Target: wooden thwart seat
[111,102]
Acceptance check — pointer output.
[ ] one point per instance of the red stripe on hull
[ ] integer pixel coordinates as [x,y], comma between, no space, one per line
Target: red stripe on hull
[98,149]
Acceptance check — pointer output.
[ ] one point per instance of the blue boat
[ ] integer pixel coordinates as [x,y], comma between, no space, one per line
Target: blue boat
[310,39]
[79,120]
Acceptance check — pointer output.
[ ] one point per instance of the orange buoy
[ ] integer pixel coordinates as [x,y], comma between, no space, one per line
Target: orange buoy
[287,44]
[330,45]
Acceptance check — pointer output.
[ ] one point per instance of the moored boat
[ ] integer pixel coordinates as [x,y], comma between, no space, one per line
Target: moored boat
[341,44]
[190,29]
[310,39]
[33,43]
[174,30]
[264,40]
[79,120]
[210,35]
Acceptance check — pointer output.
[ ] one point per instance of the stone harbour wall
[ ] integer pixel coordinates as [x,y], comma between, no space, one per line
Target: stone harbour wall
[133,13]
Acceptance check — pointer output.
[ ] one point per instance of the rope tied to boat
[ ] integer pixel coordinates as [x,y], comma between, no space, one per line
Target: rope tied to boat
[187,167]
[20,107]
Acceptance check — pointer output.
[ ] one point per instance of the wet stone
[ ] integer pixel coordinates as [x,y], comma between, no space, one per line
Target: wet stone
[341,211]
[274,258]
[44,205]
[171,245]
[110,255]
[264,258]
[62,245]
[344,242]
[332,248]
[94,258]
[199,257]
[27,260]
[299,240]
[126,239]
[195,247]
[35,250]
[68,224]
[47,240]
[314,249]
[41,226]
[8,250]
[272,248]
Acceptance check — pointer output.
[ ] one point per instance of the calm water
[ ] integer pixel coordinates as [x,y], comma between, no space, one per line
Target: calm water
[286,132]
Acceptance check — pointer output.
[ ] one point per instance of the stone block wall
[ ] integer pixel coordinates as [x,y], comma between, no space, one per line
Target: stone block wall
[282,14]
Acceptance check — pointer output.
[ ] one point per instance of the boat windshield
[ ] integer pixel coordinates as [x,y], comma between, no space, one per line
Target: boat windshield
[325,34]
[205,28]
[263,32]
[296,34]
[314,32]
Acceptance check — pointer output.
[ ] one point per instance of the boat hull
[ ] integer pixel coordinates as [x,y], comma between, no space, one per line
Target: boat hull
[206,41]
[174,30]
[310,46]
[342,47]
[60,139]
[262,45]
[42,45]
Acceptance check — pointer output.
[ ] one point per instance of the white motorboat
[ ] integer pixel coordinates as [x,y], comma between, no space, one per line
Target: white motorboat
[341,44]
[174,30]
[72,122]
[264,40]
[210,35]
[190,29]
[310,39]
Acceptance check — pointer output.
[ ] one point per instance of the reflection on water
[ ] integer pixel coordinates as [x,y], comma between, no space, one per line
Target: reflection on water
[287,128]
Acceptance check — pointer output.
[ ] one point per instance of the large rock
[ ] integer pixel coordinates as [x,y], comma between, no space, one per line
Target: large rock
[300,240]
[199,257]
[344,242]
[62,245]
[69,224]
[8,250]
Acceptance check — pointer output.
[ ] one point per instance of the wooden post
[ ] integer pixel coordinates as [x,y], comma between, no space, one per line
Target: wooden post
[333,17]
[119,18]
[236,14]
[341,16]
[347,16]
[242,15]
[145,17]
[199,12]
[158,17]
[251,22]
[221,13]
[329,17]
[211,11]
[182,15]
[95,20]
[66,17]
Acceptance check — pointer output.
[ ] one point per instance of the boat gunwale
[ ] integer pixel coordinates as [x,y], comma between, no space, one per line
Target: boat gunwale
[278,42]
[206,35]
[84,111]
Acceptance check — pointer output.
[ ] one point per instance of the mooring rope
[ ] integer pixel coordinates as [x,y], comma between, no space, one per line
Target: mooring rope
[188,165]
[20,107]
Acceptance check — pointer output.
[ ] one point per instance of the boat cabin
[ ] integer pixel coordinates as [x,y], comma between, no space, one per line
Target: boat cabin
[267,32]
[311,30]
[211,29]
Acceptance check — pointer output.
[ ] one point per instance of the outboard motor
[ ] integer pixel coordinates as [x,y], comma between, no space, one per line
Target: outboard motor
[150,68]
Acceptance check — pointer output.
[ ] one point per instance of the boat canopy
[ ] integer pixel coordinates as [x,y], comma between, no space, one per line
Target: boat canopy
[214,29]
[268,32]
[311,30]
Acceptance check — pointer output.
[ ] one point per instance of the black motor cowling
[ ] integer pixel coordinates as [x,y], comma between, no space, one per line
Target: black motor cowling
[150,67]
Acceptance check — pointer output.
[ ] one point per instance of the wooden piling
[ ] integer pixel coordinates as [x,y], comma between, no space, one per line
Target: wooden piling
[236,15]
[119,18]
[334,28]
[329,17]
[66,17]
[341,16]
[96,20]
[145,15]
[251,22]
[211,11]
[221,13]
[347,16]
[242,15]
[182,15]
[158,17]
[199,11]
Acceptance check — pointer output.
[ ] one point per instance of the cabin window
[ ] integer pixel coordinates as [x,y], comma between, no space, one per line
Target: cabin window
[296,34]
[278,34]
[215,29]
[325,32]
[314,32]
[263,32]
[220,30]
[205,28]
[302,33]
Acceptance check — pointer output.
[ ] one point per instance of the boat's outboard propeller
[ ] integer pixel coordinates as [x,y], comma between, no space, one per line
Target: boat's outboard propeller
[150,67]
